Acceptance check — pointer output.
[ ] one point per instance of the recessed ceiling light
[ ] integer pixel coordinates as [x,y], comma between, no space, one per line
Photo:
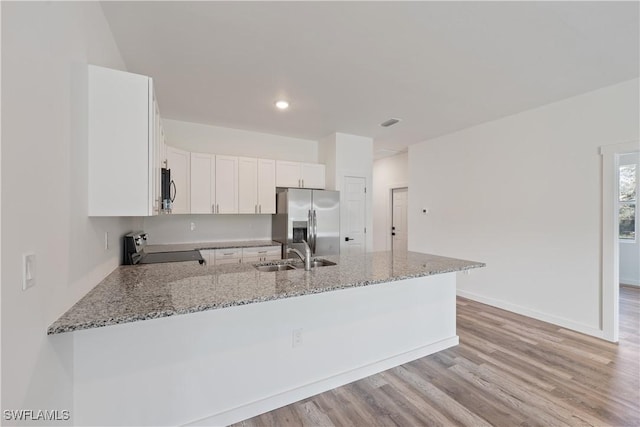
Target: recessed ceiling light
[389,122]
[282,104]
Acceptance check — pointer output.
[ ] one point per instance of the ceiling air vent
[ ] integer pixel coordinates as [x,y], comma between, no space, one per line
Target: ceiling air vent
[389,122]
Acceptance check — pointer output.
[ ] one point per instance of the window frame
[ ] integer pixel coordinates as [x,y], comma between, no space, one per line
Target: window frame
[633,203]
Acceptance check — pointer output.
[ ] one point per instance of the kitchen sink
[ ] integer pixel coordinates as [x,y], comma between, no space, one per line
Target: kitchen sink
[315,263]
[275,267]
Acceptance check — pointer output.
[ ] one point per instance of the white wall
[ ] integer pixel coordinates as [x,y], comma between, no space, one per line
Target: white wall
[44,195]
[388,173]
[349,155]
[523,194]
[630,249]
[208,228]
[235,142]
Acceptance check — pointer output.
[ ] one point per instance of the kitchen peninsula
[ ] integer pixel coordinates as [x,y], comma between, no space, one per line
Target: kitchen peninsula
[252,341]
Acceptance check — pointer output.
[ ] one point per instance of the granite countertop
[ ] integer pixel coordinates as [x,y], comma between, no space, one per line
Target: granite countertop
[139,292]
[177,247]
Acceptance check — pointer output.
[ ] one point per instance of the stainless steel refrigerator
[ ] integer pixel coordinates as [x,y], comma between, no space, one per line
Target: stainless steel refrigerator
[311,215]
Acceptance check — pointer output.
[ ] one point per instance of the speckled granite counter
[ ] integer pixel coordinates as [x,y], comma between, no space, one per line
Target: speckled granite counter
[177,247]
[140,292]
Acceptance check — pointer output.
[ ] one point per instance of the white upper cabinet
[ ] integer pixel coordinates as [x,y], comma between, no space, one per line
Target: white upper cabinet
[203,183]
[288,174]
[123,144]
[256,186]
[247,185]
[178,161]
[266,186]
[226,184]
[301,175]
[313,175]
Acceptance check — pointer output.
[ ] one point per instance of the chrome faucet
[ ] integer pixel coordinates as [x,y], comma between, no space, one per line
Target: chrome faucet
[306,258]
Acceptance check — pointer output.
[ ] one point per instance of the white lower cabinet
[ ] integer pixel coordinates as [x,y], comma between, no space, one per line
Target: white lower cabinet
[228,256]
[259,254]
[249,255]
[208,256]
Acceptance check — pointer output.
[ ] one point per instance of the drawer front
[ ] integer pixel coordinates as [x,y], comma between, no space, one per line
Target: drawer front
[261,252]
[228,254]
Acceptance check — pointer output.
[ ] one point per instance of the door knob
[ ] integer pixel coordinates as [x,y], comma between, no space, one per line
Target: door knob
[346,239]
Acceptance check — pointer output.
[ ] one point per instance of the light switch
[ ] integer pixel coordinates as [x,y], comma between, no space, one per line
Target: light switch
[28,271]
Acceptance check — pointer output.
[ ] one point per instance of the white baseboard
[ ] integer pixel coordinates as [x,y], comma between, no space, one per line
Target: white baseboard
[545,317]
[630,282]
[285,398]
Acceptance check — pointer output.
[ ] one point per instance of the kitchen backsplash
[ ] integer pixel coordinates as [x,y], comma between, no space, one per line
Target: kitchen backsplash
[206,228]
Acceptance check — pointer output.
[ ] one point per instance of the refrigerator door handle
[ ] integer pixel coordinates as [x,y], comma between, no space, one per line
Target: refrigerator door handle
[310,230]
[311,236]
[315,231]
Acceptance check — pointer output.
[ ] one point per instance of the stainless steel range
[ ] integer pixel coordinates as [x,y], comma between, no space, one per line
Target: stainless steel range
[134,253]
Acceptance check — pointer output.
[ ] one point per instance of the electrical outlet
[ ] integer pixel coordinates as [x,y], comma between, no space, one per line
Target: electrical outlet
[193,226]
[106,240]
[296,338]
[28,271]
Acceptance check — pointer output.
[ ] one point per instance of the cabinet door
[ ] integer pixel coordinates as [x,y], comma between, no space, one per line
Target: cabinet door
[202,183]
[266,186]
[208,255]
[118,138]
[178,161]
[159,159]
[247,185]
[226,184]
[288,174]
[313,175]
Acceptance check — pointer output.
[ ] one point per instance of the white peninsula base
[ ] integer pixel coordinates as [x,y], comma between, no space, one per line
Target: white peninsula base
[221,366]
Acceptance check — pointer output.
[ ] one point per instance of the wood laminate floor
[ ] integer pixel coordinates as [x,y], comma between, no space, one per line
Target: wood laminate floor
[509,370]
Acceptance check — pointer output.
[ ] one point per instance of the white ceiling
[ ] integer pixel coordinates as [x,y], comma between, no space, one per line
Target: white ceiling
[348,66]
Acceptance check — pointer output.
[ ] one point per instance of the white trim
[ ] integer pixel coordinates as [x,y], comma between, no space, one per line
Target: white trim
[559,321]
[610,283]
[294,395]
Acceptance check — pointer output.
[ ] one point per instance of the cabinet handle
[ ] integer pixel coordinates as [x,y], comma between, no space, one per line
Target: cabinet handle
[217,208]
[259,208]
[213,208]
[302,182]
[299,183]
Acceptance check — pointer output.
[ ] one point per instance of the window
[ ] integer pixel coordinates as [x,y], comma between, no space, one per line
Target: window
[627,201]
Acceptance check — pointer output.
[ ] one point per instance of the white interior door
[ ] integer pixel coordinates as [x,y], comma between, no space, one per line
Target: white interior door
[354,232]
[399,219]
